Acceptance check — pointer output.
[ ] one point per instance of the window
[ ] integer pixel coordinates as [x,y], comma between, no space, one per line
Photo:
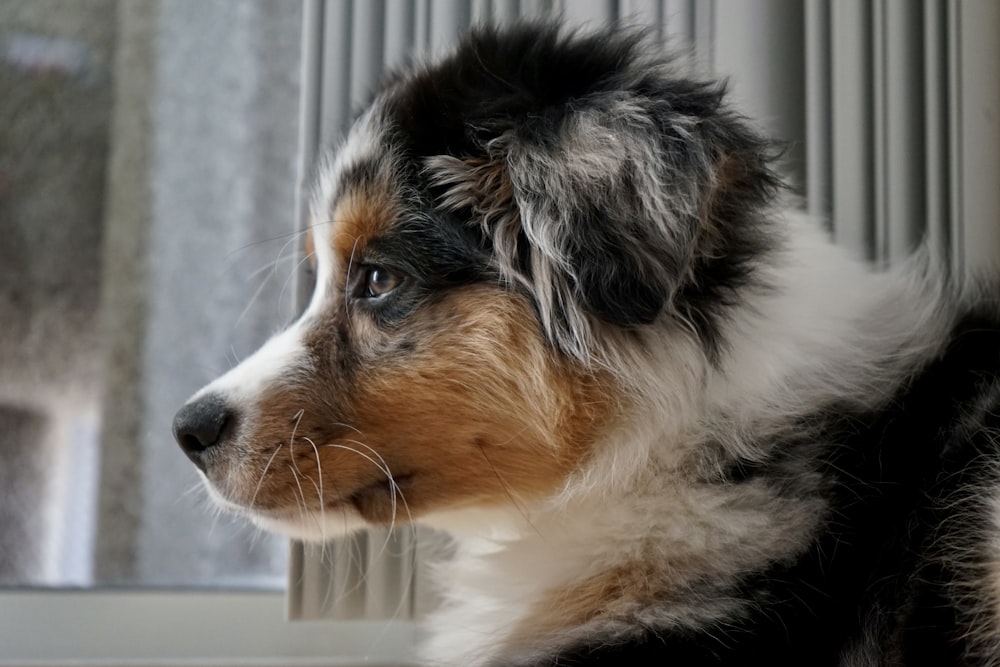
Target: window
[150,184]
[147,189]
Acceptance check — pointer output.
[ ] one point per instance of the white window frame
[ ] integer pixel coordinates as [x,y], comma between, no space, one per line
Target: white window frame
[186,629]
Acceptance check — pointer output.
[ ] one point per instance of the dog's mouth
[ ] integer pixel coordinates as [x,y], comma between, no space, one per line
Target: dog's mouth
[387,496]
[297,477]
[318,518]
[380,501]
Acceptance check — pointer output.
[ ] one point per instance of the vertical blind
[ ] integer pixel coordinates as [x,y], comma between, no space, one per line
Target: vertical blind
[889,108]
[903,133]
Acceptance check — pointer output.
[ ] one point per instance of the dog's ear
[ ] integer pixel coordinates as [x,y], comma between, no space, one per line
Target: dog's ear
[598,197]
[603,209]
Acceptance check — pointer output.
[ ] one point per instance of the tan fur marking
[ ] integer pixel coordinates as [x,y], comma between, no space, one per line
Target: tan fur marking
[483,411]
[359,216]
[479,412]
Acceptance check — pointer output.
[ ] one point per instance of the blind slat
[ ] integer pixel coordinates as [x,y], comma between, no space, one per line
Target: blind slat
[367,25]
[642,12]
[818,118]
[852,125]
[955,236]
[336,84]
[678,22]
[448,18]
[902,126]
[590,13]
[936,129]
[773,96]
[400,17]
[979,83]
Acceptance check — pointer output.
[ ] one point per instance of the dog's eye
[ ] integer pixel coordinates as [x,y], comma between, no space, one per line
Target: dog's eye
[379,282]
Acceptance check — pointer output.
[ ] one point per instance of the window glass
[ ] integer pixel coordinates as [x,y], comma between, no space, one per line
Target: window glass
[147,183]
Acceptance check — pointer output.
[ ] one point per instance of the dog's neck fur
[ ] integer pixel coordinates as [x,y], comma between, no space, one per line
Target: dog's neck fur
[831,329]
[818,333]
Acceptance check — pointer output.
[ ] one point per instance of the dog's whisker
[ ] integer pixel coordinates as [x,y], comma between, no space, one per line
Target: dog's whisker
[250,302]
[347,280]
[388,473]
[288,236]
[349,427]
[291,276]
[193,489]
[295,237]
[297,475]
[273,268]
[291,438]
[263,473]
[380,463]
[319,486]
[291,455]
[216,517]
[300,500]
[394,488]
[509,492]
[270,266]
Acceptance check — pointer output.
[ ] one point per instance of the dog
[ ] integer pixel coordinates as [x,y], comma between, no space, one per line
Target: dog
[563,312]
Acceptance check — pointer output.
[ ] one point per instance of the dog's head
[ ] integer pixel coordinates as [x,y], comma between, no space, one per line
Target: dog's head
[499,231]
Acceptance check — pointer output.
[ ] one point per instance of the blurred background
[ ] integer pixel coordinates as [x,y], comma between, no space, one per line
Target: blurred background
[147,189]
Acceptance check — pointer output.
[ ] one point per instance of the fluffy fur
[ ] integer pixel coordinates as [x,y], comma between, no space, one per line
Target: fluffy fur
[561,313]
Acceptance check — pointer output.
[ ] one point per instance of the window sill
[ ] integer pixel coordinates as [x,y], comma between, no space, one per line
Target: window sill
[147,628]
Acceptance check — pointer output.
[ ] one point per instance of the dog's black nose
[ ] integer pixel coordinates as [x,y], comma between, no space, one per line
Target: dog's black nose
[199,424]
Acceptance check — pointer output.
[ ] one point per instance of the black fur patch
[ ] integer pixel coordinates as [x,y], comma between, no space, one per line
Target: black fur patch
[652,193]
[433,248]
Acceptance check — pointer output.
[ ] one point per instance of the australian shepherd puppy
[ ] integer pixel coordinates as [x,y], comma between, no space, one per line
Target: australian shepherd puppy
[561,313]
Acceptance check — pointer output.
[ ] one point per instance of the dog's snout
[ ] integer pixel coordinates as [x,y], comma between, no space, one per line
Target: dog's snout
[198,426]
